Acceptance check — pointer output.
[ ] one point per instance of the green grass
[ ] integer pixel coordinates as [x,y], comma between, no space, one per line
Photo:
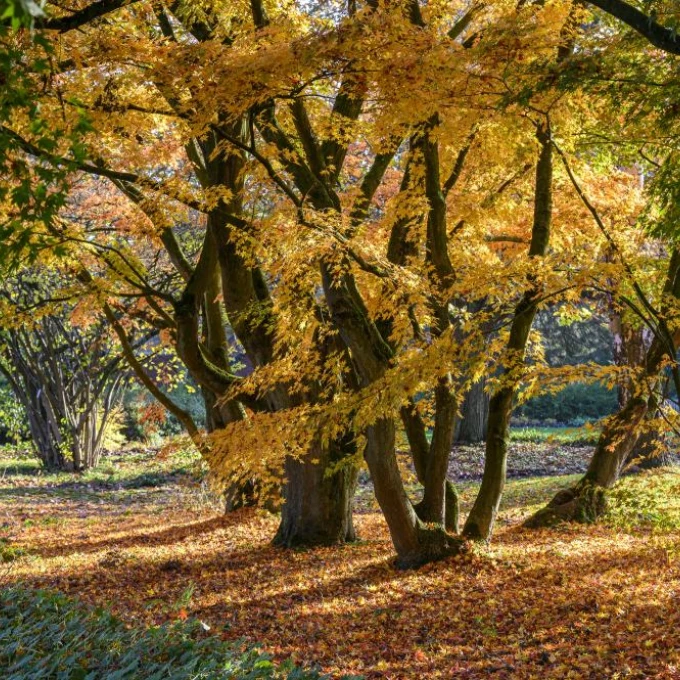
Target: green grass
[586,435]
[128,473]
[647,501]
[126,467]
[650,500]
[524,495]
[555,435]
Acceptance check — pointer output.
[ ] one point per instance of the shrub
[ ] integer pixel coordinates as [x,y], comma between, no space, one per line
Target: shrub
[45,635]
[555,435]
[12,418]
[573,405]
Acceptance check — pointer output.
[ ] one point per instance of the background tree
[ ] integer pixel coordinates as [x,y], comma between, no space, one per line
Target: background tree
[68,378]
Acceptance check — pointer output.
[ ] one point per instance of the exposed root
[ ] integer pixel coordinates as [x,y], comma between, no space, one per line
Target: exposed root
[584,503]
[435,545]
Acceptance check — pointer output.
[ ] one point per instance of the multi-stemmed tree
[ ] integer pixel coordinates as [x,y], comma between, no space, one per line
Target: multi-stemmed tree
[67,377]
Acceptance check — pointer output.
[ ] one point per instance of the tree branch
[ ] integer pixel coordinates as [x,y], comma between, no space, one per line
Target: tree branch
[84,16]
[664,38]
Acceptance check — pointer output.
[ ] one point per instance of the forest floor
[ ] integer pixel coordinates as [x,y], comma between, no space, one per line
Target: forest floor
[143,537]
[528,459]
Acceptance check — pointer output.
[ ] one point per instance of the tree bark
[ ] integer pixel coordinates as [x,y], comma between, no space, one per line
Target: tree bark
[474,419]
[651,449]
[664,38]
[420,451]
[631,345]
[414,543]
[67,380]
[440,501]
[586,500]
[433,507]
[317,507]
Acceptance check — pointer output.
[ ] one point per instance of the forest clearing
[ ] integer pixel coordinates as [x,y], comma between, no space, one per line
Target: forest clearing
[140,538]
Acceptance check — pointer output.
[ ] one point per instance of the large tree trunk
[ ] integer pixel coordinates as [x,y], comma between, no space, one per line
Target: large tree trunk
[212,415]
[439,499]
[652,448]
[651,452]
[630,348]
[414,543]
[370,352]
[420,451]
[474,415]
[585,501]
[482,517]
[317,508]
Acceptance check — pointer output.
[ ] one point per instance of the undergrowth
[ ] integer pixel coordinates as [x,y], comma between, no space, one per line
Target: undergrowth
[45,635]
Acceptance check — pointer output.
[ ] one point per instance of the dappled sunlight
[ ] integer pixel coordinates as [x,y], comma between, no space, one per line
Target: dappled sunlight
[568,602]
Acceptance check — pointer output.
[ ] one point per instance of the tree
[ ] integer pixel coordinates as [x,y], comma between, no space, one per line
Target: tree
[616,446]
[67,377]
[658,35]
[631,344]
[473,423]
[585,501]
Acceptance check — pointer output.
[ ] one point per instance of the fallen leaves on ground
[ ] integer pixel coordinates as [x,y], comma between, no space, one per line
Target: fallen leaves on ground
[573,602]
[527,459]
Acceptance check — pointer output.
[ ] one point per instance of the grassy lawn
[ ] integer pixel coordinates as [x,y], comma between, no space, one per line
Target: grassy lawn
[557,435]
[594,601]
